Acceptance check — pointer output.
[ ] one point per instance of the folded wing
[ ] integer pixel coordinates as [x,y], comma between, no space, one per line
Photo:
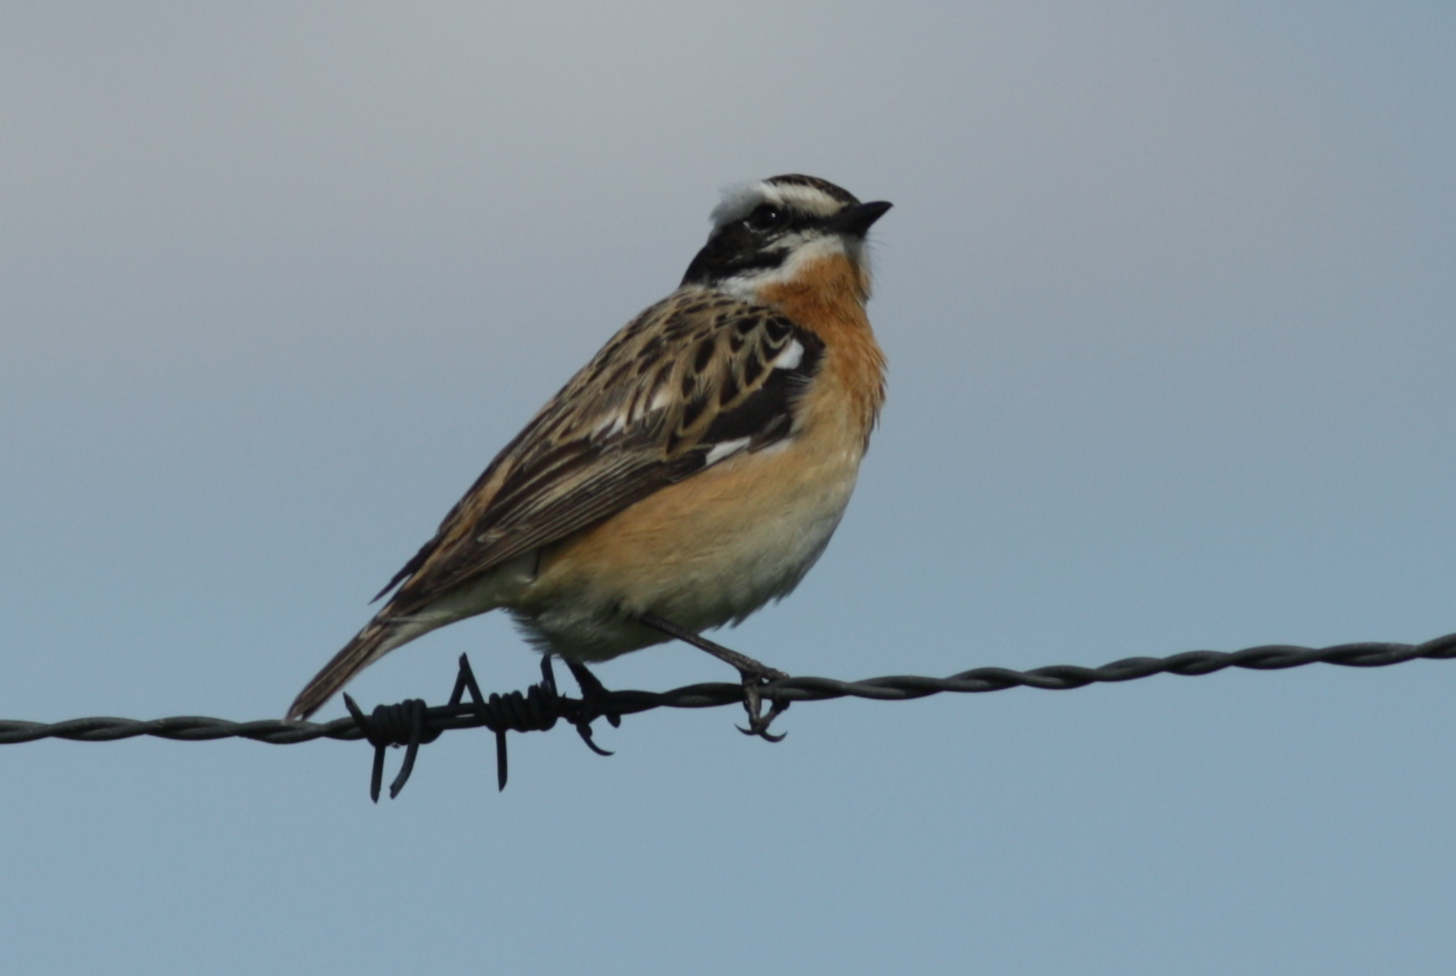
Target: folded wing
[689,383]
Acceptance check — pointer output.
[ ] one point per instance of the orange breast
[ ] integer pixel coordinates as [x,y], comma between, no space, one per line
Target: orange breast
[828,296]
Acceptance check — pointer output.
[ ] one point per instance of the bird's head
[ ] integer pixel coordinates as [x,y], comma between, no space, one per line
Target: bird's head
[772,232]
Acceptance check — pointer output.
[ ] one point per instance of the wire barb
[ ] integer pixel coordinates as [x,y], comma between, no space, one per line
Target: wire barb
[393,725]
[412,723]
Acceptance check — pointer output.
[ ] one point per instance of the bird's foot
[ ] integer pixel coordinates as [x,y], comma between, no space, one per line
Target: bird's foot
[757,676]
[754,683]
[593,692]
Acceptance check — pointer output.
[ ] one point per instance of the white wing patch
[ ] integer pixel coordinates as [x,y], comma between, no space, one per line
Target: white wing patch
[791,357]
[725,449]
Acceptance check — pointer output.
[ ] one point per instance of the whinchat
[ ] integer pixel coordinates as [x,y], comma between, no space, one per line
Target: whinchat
[691,472]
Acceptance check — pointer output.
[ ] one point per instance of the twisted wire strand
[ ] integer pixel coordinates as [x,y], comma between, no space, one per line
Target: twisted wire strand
[612,704]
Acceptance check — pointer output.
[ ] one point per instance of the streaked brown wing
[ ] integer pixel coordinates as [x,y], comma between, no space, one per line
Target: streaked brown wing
[697,372]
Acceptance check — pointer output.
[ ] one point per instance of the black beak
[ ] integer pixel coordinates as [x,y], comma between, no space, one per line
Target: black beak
[856,221]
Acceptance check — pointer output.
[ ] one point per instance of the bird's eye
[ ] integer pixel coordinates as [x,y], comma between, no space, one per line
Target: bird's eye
[765,217]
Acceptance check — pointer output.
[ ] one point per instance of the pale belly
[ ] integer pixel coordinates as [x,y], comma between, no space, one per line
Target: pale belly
[702,553]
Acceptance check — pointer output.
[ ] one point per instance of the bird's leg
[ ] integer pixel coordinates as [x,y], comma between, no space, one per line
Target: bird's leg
[756,675]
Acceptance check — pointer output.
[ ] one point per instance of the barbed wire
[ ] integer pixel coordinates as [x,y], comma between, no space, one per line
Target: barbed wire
[412,723]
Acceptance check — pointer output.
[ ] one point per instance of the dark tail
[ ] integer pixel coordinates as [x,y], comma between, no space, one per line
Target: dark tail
[373,642]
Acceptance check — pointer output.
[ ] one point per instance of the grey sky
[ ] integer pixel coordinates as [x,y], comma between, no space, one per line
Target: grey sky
[1168,298]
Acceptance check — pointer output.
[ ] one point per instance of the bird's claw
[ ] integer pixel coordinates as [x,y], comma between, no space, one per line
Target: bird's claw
[756,675]
[754,683]
[592,692]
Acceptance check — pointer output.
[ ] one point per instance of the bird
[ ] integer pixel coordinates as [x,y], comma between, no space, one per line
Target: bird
[691,472]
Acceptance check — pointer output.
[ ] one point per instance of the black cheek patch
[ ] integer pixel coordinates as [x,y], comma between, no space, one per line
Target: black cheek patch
[729,252]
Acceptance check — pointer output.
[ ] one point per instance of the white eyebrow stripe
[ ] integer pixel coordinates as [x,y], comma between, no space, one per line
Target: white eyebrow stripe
[810,199]
[791,357]
[720,451]
[739,199]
